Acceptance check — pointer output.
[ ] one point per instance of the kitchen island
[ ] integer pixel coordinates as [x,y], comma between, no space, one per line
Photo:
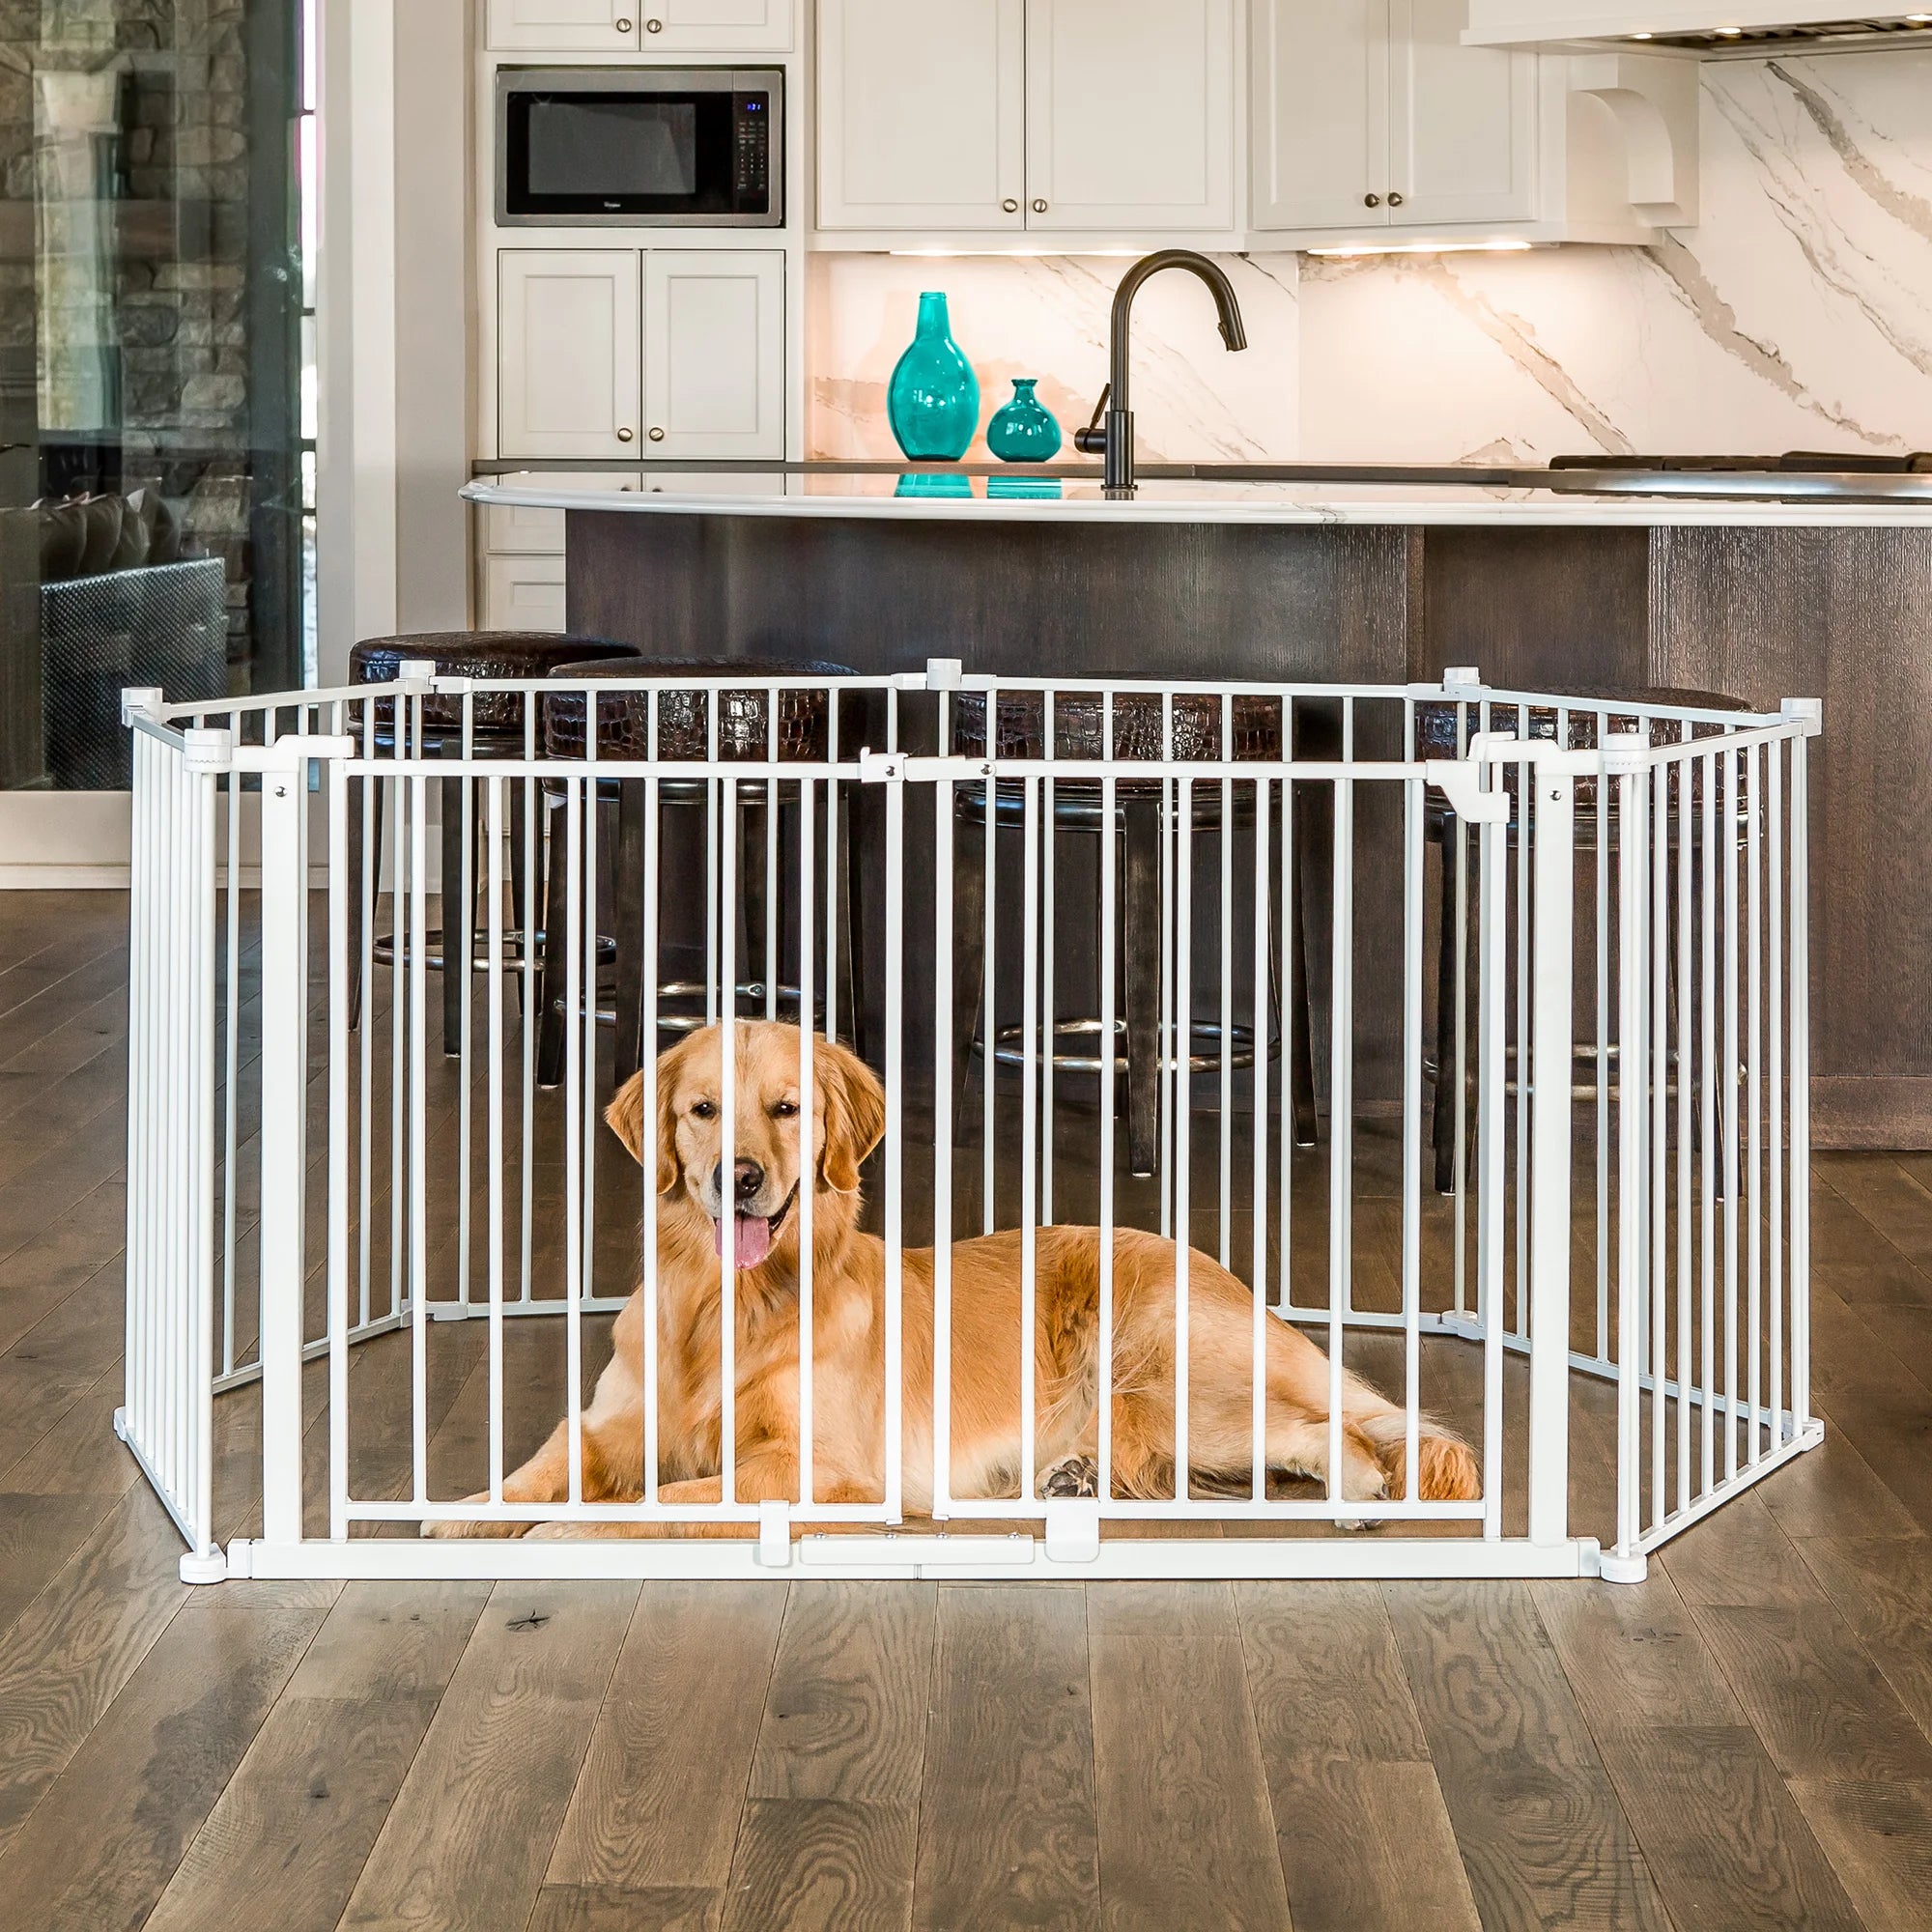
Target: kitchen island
[1797,589]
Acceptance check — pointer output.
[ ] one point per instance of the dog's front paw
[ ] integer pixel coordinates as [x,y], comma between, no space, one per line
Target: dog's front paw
[1071,1478]
[442,1531]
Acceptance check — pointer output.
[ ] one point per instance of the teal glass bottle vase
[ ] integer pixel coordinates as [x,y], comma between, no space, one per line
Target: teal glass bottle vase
[1025,430]
[932,402]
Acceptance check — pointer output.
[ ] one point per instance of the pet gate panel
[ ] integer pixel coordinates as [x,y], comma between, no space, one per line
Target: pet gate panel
[1150,961]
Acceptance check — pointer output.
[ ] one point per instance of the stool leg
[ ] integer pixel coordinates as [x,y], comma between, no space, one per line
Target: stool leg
[626,891]
[1449,1072]
[967,886]
[456,917]
[1141,914]
[551,979]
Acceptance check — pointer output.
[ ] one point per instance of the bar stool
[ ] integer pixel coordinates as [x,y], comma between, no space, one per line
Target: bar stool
[1435,737]
[497,730]
[804,734]
[1137,821]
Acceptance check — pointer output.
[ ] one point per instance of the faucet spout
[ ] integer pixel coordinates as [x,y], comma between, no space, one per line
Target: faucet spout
[1116,439]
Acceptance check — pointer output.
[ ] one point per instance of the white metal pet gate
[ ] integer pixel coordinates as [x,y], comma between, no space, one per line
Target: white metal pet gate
[1610,1303]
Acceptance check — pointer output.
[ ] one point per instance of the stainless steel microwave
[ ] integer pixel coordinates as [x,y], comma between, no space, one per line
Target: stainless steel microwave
[643,146]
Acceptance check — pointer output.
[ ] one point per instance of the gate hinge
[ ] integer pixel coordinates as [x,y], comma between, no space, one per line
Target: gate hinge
[877,768]
[1462,779]
[1809,711]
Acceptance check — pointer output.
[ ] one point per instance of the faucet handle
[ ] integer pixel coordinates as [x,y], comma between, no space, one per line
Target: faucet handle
[1092,439]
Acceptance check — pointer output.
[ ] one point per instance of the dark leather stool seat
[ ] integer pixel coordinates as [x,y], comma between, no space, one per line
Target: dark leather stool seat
[1143,728]
[499,724]
[682,729]
[1436,736]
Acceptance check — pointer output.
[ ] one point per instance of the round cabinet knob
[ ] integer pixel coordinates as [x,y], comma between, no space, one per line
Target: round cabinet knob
[623,26]
[625,434]
[654,26]
[1010,206]
[1039,208]
[1372,201]
[657,435]
[1394,201]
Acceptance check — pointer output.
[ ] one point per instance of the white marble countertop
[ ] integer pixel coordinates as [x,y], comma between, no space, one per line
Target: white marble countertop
[1019,498]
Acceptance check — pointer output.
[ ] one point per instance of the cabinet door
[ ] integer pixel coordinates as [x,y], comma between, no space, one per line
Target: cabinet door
[1320,113]
[563,23]
[725,25]
[567,356]
[922,113]
[714,352]
[1130,114]
[1461,120]
[522,593]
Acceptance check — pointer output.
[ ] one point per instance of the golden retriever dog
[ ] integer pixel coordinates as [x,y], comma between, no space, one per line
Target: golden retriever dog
[760,1221]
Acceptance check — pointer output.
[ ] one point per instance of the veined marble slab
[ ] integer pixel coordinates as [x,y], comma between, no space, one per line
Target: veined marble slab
[1020,499]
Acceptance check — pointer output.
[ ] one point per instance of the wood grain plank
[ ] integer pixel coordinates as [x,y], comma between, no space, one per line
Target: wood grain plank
[1007,1829]
[1879,1839]
[657,1803]
[1835,1492]
[1360,1825]
[1738,1554]
[1185,1830]
[846,1712]
[1635,1656]
[471,1831]
[68,1654]
[1724,1838]
[820,1863]
[109,1831]
[611,1907]
[1541,1831]
[1817,1699]
[1883,1589]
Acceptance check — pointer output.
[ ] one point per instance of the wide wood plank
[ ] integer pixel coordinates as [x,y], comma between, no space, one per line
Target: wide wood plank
[1187,1834]
[304,1807]
[1817,1699]
[109,1831]
[613,1907]
[1007,1832]
[1879,1839]
[1541,1831]
[470,1832]
[846,1712]
[1738,1554]
[664,1781]
[72,1648]
[1363,1834]
[822,1864]
[1883,1589]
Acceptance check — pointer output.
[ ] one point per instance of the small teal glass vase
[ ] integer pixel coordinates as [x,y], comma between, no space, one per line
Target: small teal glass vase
[1025,430]
[933,399]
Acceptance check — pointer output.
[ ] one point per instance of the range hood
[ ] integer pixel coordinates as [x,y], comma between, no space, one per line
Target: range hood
[1703,27]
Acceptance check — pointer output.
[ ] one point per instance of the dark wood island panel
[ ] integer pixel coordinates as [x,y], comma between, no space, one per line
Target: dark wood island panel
[1764,611]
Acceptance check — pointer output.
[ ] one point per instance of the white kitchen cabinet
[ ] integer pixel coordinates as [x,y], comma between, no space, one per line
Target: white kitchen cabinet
[1463,121]
[1130,114]
[657,26]
[714,352]
[522,593]
[1320,112]
[921,114]
[569,374]
[561,26]
[1372,114]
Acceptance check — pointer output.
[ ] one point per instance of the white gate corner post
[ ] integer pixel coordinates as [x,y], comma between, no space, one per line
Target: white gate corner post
[284,1105]
[1551,772]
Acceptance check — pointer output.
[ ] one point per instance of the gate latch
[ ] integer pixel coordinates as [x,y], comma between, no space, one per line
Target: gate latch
[1072,1531]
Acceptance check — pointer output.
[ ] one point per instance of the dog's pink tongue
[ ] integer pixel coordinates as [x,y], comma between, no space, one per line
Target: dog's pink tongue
[752,1238]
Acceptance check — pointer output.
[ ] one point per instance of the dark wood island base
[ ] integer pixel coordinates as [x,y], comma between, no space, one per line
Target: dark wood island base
[1764,610]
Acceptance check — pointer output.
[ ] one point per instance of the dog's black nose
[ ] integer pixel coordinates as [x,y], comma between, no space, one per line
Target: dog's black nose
[750,1178]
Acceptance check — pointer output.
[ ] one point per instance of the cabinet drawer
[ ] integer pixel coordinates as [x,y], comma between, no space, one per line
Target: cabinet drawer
[522,593]
[514,531]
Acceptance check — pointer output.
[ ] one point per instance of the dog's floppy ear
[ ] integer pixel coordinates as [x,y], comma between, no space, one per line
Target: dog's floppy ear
[626,1116]
[855,1114]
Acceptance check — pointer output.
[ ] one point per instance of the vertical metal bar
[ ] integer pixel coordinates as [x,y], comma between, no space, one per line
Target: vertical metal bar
[534,902]
[772,866]
[647,1115]
[1226,1202]
[806,1102]
[1341,1096]
[593,791]
[1547,1292]
[1707,1018]
[1109,914]
[284,1099]
[492,820]
[831,870]
[371,856]
[1659,1075]
[945,805]
[1259,1117]
[1181,918]
[1775,1280]
[1525,814]
[418,1126]
[1753,804]
[1603,829]
[1290,933]
[406,716]
[231,1062]
[1171,1055]
[989,974]
[458,956]
[1682,852]
[1031,1050]
[1493,976]
[724,883]
[1416,805]
[1050,1005]
[895,1219]
[201,1060]
[1627,763]
[337,783]
[1455,828]
[1801,1086]
[577,890]
[1727,1111]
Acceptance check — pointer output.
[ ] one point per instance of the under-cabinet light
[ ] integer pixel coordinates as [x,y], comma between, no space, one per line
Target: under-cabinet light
[1510,248]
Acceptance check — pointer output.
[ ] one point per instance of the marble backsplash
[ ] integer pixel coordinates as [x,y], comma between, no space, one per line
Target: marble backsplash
[1798,314]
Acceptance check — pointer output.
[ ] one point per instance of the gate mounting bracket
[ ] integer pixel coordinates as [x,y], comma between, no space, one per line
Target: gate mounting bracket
[1072,1531]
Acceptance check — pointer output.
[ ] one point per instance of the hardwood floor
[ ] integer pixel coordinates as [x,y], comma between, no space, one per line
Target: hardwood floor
[1743,1739]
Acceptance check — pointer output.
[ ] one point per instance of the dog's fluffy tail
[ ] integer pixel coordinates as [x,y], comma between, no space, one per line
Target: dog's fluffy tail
[1447,1470]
